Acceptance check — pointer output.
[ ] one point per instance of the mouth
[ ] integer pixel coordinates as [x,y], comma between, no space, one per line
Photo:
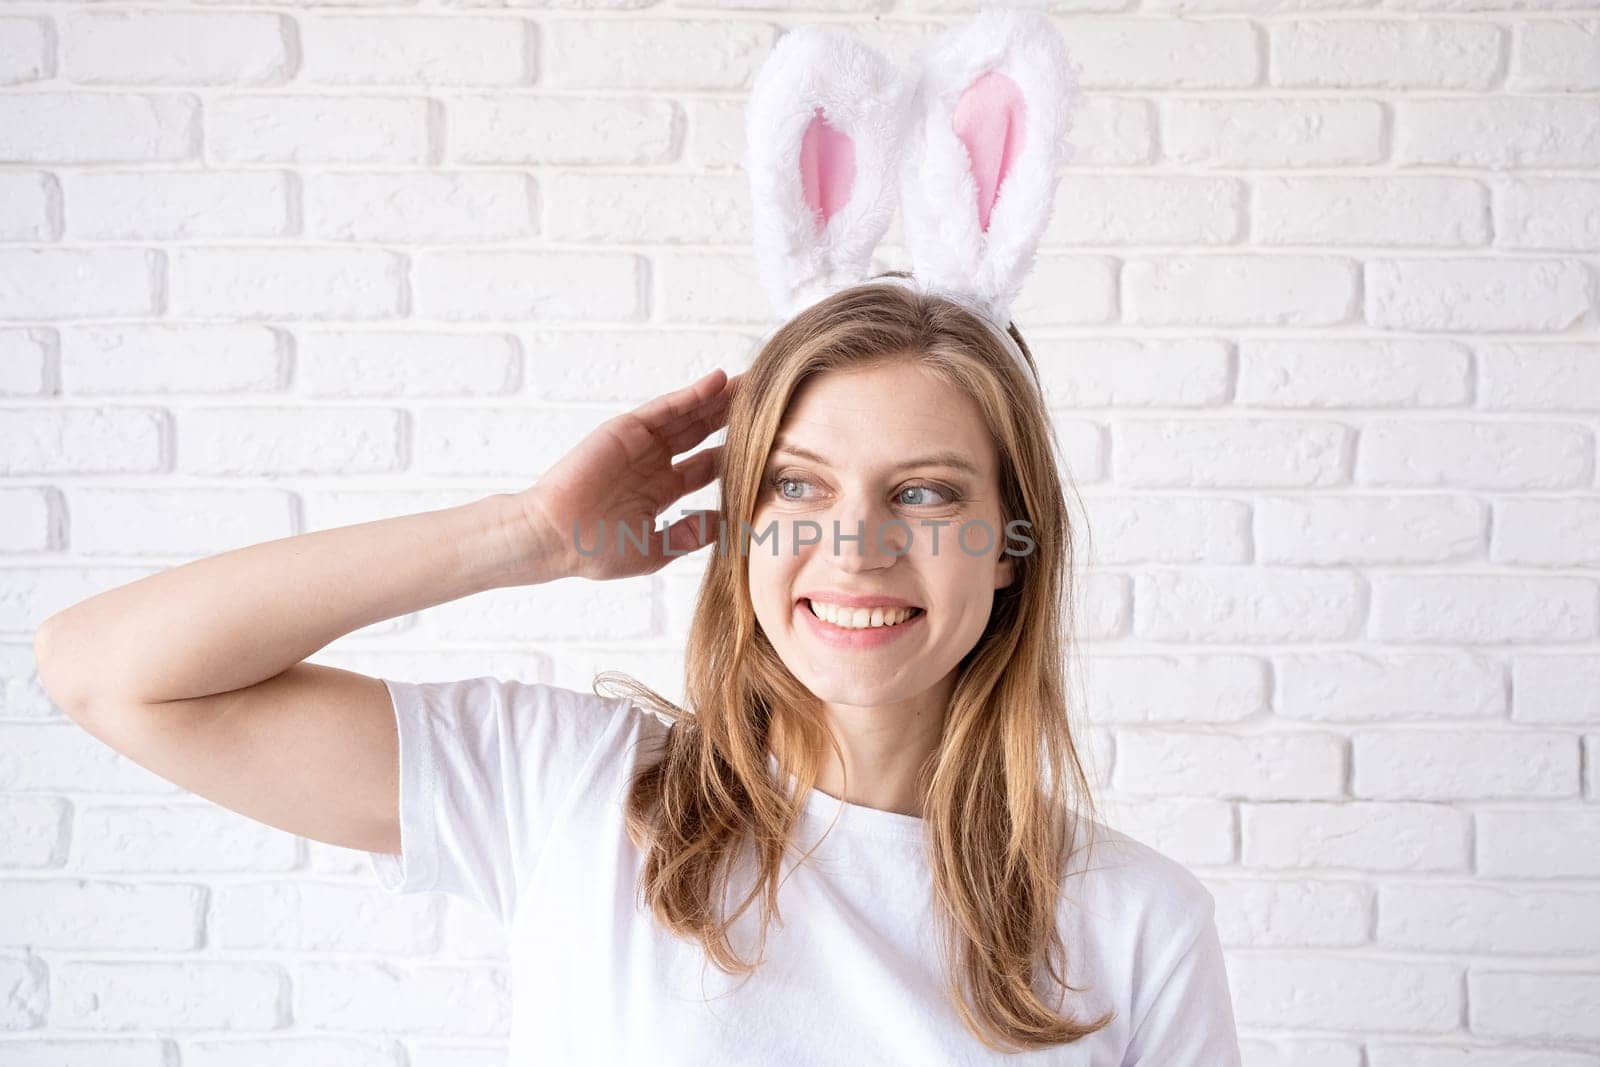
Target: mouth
[854,619]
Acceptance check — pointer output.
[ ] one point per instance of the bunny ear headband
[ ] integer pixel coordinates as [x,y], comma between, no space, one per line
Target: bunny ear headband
[971,144]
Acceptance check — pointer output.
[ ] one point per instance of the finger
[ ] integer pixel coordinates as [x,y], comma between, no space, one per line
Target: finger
[696,428]
[698,470]
[691,532]
[642,441]
[665,411]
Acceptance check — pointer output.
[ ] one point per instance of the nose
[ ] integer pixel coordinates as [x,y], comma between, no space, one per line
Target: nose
[869,536]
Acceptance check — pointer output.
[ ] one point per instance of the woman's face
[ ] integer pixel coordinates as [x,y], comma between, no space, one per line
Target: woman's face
[904,460]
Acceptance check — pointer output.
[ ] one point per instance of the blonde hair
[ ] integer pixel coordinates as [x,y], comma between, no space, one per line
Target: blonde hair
[1007,801]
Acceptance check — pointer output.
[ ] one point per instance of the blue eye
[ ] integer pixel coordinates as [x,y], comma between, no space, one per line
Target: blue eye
[944,496]
[781,480]
[919,489]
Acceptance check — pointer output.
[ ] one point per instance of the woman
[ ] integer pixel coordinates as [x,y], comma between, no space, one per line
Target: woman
[865,838]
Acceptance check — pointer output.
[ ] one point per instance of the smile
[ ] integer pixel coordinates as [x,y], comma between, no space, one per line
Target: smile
[857,628]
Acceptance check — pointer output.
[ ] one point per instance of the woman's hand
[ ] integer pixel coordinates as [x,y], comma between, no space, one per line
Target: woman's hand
[622,476]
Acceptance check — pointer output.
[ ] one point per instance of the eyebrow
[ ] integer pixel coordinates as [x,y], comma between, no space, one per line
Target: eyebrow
[934,459]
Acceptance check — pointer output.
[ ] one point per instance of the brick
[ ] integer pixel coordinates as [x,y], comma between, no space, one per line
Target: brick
[1525,1004]
[1359,835]
[1554,214]
[28,526]
[61,913]
[626,208]
[1258,913]
[1383,687]
[1525,295]
[289,283]
[1542,842]
[1261,766]
[1290,1052]
[1241,132]
[1547,533]
[1483,918]
[1555,688]
[175,995]
[1496,132]
[161,48]
[423,999]
[1309,991]
[303,915]
[1246,605]
[1386,211]
[171,839]
[238,440]
[27,998]
[124,358]
[609,371]
[656,53]
[1136,209]
[1123,53]
[34,832]
[82,440]
[1336,374]
[64,757]
[1417,53]
[1239,290]
[1454,1055]
[79,283]
[307,128]
[25,51]
[67,127]
[1112,372]
[1463,453]
[29,202]
[561,130]
[1483,608]
[1370,529]
[540,286]
[1231,453]
[25,361]
[405,363]
[421,208]
[1175,689]
[271,1052]
[1448,765]
[417,50]
[168,205]
[88,1052]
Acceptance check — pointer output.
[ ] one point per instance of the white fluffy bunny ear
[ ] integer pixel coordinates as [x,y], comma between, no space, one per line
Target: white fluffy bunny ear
[983,153]
[822,133]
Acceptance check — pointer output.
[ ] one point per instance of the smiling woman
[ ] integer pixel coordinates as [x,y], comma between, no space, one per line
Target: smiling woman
[907,687]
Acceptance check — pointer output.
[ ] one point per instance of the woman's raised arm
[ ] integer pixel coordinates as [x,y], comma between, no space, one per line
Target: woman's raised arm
[196,673]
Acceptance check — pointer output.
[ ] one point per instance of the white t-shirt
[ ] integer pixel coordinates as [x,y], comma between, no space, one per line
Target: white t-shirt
[511,796]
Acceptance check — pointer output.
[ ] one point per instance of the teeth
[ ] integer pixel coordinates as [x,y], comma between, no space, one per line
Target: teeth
[860,618]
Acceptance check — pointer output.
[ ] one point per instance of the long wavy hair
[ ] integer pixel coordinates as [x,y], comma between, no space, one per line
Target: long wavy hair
[1007,798]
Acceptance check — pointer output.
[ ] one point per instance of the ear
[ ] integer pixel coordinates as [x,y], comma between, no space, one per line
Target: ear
[984,151]
[822,142]
[1005,573]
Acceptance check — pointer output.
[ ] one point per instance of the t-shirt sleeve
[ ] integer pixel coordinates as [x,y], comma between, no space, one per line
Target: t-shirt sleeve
[488,768]
[1186,1018]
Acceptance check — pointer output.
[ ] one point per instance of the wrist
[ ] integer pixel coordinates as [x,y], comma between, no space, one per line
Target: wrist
[527,549]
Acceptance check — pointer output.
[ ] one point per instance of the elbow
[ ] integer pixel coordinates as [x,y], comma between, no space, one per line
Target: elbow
[53,679]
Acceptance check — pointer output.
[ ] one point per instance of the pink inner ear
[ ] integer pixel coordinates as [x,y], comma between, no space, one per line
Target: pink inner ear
[827,168]
[989,119]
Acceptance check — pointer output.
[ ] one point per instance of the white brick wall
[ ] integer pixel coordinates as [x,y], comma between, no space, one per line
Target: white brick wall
[1317,314]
